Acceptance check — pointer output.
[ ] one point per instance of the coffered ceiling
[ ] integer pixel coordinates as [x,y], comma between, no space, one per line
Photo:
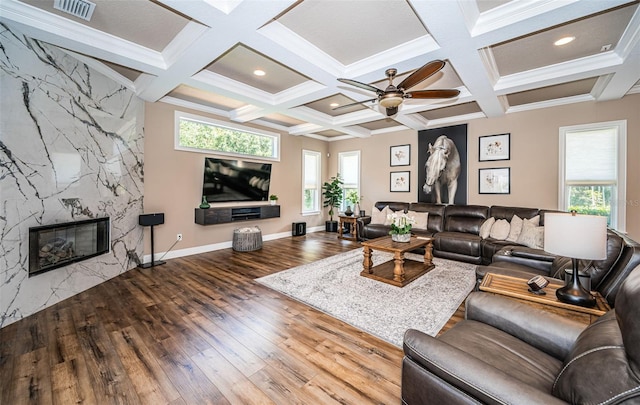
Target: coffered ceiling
[202,54]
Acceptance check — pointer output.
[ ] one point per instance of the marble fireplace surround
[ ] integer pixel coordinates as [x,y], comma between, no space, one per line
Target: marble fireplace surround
[71,148]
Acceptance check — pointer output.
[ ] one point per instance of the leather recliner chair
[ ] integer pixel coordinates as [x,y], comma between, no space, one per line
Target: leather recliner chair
[506,352]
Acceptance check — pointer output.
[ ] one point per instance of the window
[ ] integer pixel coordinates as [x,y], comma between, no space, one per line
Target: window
[349,169]
[593,170]
[202,134]
[311,181]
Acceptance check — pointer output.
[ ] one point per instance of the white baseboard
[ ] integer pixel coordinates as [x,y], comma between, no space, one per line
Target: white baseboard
[218,246]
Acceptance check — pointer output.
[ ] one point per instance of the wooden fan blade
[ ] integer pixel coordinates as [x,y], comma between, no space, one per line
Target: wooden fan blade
[391,111]
[421,74]
[356,103]
[445,93]
[361,85]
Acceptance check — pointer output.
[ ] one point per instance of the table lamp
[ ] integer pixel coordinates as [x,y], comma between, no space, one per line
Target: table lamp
[577,237]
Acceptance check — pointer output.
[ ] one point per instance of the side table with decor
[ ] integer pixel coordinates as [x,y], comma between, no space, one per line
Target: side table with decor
[518,289]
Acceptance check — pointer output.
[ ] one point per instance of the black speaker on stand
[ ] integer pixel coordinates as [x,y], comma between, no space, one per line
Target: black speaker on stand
[151,220]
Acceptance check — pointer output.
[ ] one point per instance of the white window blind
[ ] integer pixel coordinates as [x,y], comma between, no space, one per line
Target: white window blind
[592,170]
[591,156]
[311,165]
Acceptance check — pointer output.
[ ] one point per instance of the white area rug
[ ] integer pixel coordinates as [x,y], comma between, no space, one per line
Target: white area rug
[334,285]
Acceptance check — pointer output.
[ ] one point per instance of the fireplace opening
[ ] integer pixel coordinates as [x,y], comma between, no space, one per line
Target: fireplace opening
[57,245]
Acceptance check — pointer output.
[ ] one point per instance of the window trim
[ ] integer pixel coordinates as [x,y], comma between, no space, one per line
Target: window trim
[618,203]
[318,181]
[178,115]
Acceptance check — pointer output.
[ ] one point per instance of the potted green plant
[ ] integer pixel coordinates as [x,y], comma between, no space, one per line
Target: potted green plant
[273,199]
[332,194]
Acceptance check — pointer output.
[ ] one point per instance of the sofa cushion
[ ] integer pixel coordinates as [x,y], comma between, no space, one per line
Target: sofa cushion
[464,244]
[421,219]
[485,228]
[502,212]
[500,229]
[465,218]
[515,229]
[504,352]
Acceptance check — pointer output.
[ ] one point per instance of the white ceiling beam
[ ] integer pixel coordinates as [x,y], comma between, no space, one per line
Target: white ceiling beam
[446,23]
[64,33]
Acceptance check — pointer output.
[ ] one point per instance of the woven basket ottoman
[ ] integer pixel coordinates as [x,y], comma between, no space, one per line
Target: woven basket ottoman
[247,239]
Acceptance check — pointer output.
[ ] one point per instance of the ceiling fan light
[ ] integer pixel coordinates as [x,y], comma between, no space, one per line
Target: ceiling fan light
[391,100]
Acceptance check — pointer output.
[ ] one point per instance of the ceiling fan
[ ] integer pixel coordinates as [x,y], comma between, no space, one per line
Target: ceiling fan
[391,97]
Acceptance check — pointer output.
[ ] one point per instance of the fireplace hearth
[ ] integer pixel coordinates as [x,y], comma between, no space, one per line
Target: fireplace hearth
[57,245]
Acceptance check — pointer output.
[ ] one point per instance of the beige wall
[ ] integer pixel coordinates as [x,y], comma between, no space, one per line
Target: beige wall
[534,156]
[173,179]
[173,185]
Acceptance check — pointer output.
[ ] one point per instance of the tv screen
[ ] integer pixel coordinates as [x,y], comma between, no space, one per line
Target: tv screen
[235,180]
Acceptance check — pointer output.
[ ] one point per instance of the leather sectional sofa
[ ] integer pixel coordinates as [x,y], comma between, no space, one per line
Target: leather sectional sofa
[506,352]
[456,233]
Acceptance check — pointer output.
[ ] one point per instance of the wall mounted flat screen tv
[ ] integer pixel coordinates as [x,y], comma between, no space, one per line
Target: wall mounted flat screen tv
[227,180]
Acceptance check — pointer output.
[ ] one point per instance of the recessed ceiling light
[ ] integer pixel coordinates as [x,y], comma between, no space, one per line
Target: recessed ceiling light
[334,105]
[564,41]
[259,72]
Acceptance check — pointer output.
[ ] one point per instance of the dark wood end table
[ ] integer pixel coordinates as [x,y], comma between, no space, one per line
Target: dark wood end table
[399,271]
[352,220]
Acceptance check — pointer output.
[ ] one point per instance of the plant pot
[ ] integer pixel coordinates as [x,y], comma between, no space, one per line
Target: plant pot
[331,226]
[273,202]
[404,237]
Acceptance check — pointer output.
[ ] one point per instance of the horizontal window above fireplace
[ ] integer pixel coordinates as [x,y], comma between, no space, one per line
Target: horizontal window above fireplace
[57,245]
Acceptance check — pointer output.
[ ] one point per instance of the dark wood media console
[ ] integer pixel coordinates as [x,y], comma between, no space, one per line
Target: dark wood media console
[223,215]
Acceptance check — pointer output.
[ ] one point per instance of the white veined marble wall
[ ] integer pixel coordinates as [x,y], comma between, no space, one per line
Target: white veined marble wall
[71,148]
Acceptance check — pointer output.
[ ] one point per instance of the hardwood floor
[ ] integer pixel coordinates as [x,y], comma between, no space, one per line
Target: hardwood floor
[198,330]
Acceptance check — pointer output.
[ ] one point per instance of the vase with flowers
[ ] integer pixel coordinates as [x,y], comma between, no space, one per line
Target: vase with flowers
[400,226]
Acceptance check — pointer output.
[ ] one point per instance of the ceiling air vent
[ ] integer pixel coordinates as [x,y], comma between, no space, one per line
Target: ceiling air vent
[79,8]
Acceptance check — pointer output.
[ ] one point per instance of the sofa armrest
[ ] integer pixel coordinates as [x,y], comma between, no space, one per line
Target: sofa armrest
[469,374]
[548,332]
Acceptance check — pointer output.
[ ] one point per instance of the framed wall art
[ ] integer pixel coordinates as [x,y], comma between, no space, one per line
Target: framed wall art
[400,181]
[449,185]
[400,155]
[495,180]
[495,147]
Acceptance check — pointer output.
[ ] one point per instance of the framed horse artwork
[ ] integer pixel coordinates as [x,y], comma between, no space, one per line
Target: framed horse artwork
[442,160]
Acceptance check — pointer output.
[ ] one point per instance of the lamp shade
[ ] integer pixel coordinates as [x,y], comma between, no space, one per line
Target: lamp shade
[576,236]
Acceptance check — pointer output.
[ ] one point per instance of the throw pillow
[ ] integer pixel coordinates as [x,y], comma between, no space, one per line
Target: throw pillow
[516,228]
[500,230]
[535,221]
[421,219]
[531,236]
[485,228]
[379,217]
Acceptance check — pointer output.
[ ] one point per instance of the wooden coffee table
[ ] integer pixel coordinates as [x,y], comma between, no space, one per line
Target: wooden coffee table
[399,271]
[517,288]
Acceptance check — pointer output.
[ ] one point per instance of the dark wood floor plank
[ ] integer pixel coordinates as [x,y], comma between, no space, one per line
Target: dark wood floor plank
[33,382]
[109,380]
[199,330]
[149,380]
[193,386]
